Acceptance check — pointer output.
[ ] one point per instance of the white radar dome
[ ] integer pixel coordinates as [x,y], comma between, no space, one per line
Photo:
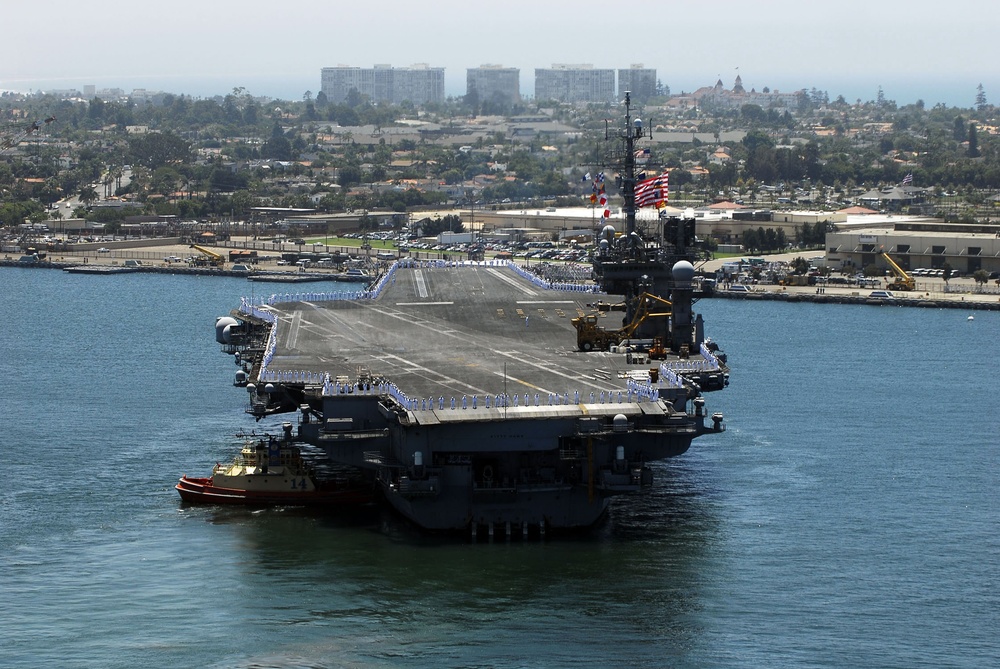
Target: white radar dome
[619,424]
[682,271]
[221,325]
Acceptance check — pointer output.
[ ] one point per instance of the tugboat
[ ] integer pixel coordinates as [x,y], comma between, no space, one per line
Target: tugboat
[268,472]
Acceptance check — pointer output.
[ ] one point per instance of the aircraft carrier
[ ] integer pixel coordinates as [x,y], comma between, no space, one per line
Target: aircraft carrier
[483,396]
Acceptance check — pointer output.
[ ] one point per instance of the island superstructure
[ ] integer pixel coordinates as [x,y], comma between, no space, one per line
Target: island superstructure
[484,397]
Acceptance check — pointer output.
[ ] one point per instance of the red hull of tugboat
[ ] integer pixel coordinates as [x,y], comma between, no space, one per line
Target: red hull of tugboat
[200,490]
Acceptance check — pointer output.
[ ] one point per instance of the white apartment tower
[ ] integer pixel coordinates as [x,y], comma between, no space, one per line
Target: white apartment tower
[575,83]
[419,84]
[639,80]
[494,82]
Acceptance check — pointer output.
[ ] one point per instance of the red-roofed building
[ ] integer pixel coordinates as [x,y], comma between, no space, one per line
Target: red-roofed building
[856,210]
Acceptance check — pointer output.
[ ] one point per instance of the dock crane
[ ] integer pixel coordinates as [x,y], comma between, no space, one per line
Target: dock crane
[902,280]
[212,258]
[15,139]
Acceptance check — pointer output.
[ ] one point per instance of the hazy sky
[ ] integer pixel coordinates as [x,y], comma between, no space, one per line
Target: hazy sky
[918,49]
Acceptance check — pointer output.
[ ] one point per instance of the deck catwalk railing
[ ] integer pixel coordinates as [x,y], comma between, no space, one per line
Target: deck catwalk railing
[389,277]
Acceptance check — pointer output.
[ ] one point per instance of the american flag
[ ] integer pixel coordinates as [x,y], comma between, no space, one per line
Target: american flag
[908,179]
[652,192]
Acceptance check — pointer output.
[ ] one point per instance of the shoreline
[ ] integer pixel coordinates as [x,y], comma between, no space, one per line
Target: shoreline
[953,301]
[934,299]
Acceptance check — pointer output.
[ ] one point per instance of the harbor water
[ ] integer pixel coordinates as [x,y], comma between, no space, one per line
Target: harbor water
[849,517]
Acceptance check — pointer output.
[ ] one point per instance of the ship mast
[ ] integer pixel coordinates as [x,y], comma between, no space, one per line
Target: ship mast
[635,264]
[631,132]
[623,161]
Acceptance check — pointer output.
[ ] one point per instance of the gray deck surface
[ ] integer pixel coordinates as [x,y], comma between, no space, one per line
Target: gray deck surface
[450,332]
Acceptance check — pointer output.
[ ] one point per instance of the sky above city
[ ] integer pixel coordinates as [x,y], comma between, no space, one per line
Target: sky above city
[932,51]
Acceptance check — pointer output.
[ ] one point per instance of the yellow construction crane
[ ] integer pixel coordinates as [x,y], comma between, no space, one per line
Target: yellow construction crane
[901,280]
[213,258]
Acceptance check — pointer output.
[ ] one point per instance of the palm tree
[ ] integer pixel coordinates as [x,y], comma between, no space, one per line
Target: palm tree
[140,180]
[116,173]
[88,194]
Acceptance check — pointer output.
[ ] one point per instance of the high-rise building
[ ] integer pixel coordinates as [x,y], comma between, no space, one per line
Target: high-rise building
[639,80]
[574,83]
[419,84]
[494,83]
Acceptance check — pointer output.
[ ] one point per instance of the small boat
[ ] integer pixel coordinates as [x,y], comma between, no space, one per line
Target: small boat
[358,275]
[270,472]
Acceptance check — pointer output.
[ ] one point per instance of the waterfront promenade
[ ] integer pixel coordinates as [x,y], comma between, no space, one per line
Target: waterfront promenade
[931,292]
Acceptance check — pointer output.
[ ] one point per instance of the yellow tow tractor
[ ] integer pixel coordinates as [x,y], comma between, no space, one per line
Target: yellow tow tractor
[590,336]
[902,280]
[794,280]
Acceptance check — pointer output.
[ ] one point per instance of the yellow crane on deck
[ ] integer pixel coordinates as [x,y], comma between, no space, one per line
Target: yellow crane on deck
[590,336]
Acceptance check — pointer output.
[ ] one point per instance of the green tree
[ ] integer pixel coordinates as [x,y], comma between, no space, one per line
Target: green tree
[959,131]
[95,110]
[354,98]
[753,114]
[277,148]
[449,223]
[771,239]
[156,149]
[13,213]
[88,195]
[241,202]
[166,180]
[350,176]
